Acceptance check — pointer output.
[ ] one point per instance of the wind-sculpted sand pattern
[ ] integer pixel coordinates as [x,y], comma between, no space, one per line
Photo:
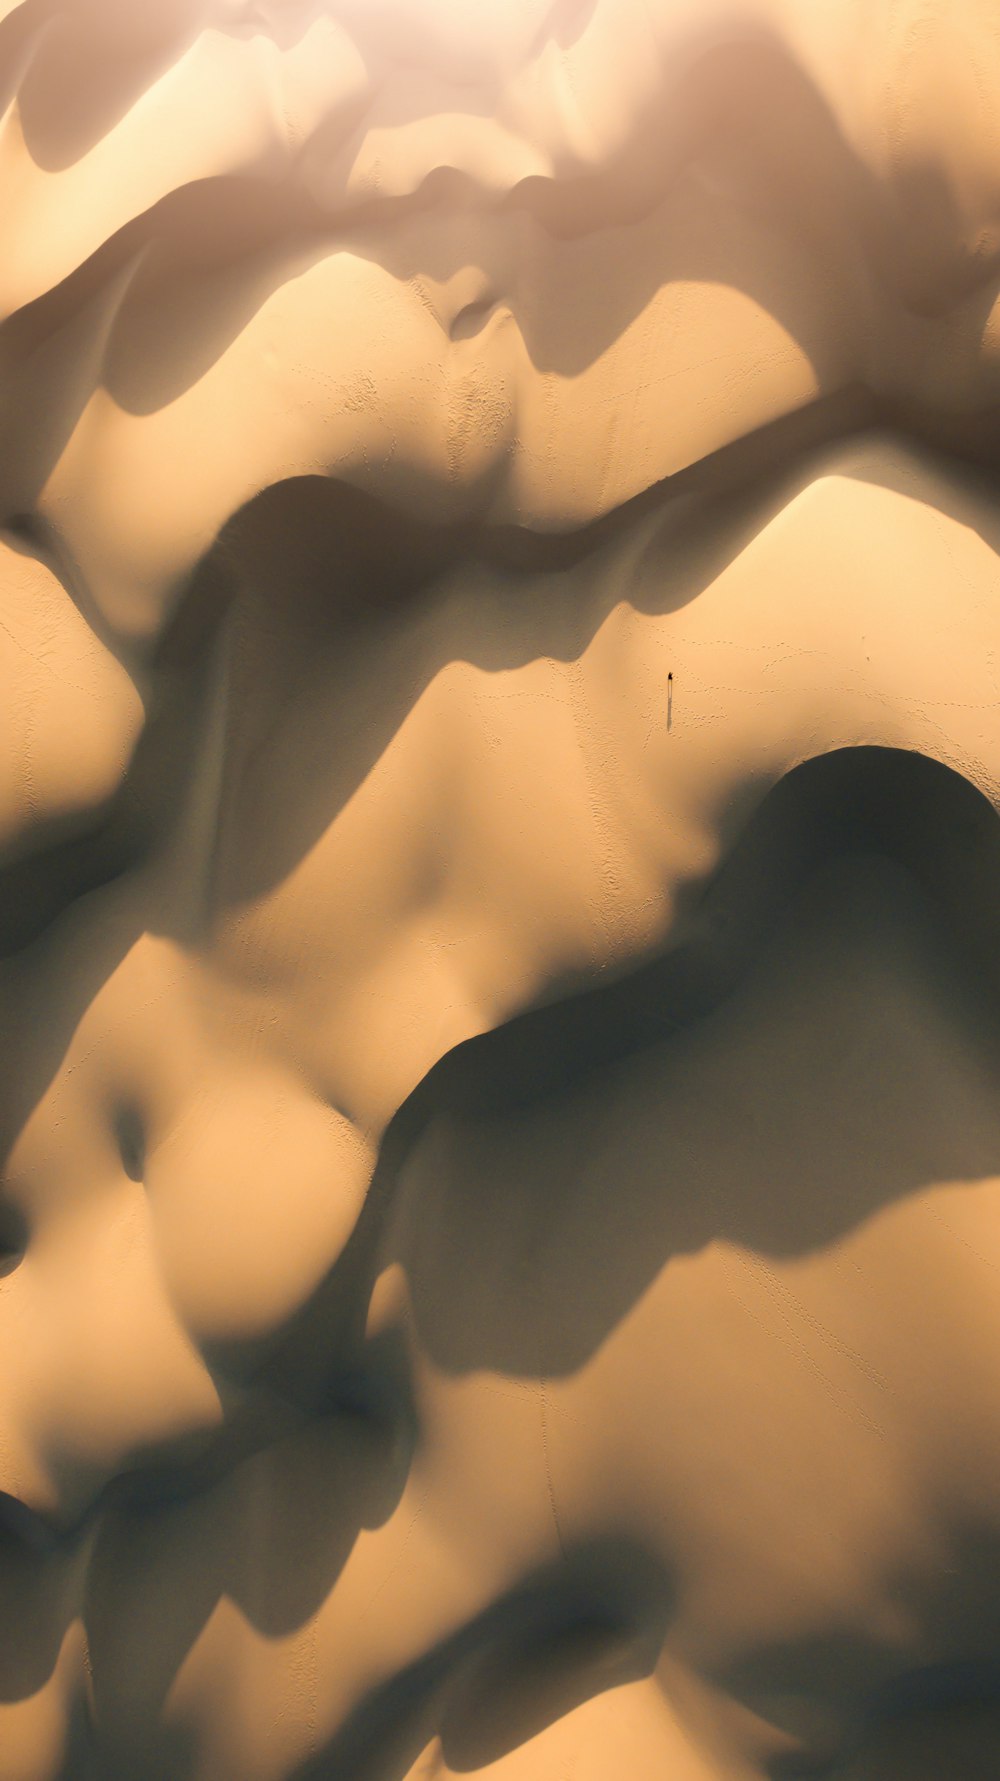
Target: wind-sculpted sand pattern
[499,890]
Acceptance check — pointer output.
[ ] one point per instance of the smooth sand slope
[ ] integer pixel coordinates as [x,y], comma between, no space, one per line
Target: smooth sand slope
[499,869]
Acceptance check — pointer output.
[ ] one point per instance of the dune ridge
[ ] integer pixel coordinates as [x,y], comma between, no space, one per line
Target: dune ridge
[499,777]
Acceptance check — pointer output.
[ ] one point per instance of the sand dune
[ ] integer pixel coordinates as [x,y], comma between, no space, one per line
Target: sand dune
[499,789]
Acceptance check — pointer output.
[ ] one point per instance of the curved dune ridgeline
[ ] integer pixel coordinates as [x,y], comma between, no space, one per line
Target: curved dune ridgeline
[499,867]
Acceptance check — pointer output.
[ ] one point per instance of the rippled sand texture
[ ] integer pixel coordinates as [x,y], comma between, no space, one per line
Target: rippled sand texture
[499,890]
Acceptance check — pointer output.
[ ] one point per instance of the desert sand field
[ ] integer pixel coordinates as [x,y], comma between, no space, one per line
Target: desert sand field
[499,890]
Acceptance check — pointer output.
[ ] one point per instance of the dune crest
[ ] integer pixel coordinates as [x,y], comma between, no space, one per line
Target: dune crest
[499,851]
